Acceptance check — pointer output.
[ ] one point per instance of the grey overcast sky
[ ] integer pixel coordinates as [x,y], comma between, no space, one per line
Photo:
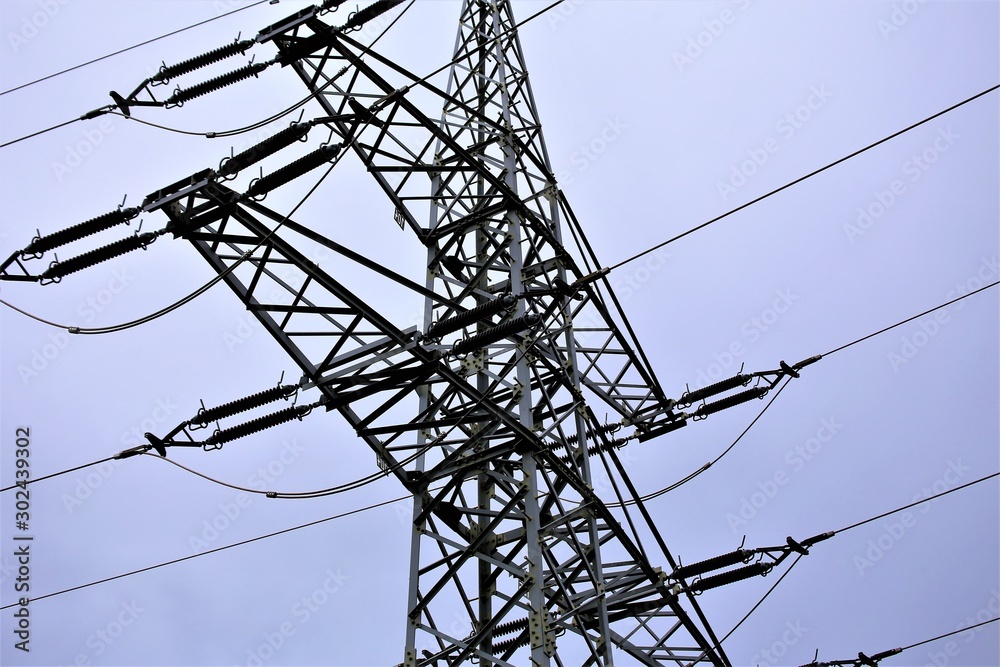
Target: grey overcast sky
[657,116]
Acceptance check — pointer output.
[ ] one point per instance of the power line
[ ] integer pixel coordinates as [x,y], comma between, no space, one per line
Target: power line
[109,108]
[395,500]
[855,525]
[237,131]
[216,279]
[667,489]
[646,497]
[797,180]
[36,317]
[910,319]
[878,657]
[144,449]
[225,133]
[270,119]
[204,288]
[35,134]
[761,601]
[364,50]
[720,457]
[20,485]
[319,493]
[217,549]
[360,482]
[913,504]
[213,281]
[348,486]
[134,46]
[949,634]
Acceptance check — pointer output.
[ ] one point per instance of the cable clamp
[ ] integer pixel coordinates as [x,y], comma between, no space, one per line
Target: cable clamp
[600,273]
[94,113]
[806,362]
[133,451]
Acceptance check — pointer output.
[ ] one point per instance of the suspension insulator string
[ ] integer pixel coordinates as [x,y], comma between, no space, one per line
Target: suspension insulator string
[480,312]
[57,270]
[509,627]
[181,96]
[206,416]
[739,574]
[718,562]
[691,397]
[359,18]
[41,244]
[593,450]
[509,644]
[493,334]
[591,433]
[706,409]
[168,72]
[219,438]
[233,165]
[303,165]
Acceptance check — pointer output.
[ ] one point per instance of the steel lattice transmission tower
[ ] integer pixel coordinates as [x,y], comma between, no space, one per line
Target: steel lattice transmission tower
[488,414]
[512,536]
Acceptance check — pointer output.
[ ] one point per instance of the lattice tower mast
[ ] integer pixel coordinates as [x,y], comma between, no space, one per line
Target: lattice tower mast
[493,413]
